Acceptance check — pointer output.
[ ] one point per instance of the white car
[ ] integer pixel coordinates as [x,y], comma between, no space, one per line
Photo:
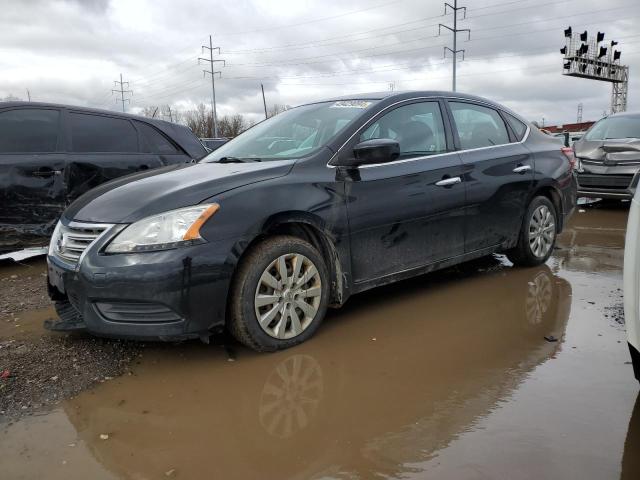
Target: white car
[632,283]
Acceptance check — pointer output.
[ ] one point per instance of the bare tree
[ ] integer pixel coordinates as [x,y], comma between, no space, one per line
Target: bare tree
[199,121]
[10,98]
[150,111]
[277,108]
[232,125]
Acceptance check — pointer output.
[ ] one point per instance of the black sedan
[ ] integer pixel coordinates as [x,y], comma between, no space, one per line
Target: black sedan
[305,209]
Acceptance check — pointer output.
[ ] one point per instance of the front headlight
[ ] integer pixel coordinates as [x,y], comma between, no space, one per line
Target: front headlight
[164,231]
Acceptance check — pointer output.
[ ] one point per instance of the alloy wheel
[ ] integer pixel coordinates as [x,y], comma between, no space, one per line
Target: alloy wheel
[542,231]
[288,296]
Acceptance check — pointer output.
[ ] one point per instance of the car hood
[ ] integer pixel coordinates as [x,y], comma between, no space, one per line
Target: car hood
[128,199]
[609,151]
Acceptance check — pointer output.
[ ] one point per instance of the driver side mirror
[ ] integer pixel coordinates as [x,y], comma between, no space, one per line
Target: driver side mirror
[378,150]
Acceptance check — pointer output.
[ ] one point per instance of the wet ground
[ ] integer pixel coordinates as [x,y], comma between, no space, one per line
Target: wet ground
[445,376]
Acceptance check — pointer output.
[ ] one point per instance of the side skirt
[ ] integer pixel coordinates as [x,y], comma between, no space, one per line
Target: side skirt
[413,272]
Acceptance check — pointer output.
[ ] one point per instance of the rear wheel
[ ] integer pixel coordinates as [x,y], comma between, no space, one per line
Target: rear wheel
[279,295]
[537,235]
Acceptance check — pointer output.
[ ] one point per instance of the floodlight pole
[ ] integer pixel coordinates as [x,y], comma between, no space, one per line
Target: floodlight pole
[455,31]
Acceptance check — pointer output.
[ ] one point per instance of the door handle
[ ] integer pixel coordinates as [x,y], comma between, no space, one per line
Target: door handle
[522,169]
[449,182]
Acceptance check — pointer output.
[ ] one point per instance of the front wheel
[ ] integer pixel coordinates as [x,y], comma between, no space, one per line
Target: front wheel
[279,295]
[537,235]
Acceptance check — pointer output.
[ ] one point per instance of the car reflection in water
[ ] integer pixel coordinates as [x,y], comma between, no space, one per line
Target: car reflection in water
[390,380]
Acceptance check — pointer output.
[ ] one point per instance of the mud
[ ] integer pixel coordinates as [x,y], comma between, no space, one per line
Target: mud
[481,371]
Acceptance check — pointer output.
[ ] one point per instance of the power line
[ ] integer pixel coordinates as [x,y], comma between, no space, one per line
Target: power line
[122,90]
[298,24]
[321,42]
[332,56]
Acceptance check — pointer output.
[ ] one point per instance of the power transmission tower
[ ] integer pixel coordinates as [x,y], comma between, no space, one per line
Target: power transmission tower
[579,119]
[122,90]
[454,51]
[211,72]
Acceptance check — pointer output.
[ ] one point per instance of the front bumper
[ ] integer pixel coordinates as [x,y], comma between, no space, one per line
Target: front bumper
[604,181]
[169,295]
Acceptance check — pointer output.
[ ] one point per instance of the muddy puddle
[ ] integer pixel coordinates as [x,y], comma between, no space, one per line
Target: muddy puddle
[445,376]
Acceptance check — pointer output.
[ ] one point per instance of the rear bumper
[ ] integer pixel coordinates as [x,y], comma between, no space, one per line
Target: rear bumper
[170,295]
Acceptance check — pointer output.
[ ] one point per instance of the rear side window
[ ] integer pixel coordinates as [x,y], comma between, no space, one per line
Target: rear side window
[417,127]
[29,130]
[154,141]
[94,133]
[516,125]
[478,126]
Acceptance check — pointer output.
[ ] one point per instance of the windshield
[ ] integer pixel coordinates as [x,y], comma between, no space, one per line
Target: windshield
[615,127]
[292,134]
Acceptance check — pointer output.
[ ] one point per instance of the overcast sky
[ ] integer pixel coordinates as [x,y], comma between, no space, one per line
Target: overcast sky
[72,51]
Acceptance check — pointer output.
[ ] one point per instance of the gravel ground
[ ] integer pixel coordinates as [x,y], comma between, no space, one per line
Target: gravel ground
[38,368]
[22,287]
[42,371]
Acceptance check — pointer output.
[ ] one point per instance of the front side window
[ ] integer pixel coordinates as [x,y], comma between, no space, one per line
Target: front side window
[98,134]
[478,126]
[29,130]
[294,133]
[417,127]
[615,127]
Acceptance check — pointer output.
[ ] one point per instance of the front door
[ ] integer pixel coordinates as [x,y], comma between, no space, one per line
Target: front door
[32,190]
[407,213]
[498,175]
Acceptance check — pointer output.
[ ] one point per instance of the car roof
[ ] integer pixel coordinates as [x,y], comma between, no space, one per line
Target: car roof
[178,133]
[626,114]
[407,94]
[83,109]
[397,96]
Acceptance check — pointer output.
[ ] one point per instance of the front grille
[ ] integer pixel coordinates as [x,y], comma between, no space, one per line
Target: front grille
[136,312]
[617,182]
[70,241]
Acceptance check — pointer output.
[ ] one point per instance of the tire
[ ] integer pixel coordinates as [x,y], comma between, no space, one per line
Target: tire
[528,252]
[258,289]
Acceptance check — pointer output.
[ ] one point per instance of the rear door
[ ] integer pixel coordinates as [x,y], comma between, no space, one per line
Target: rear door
[498,174]
[401,214]
[32,192]
[101,148]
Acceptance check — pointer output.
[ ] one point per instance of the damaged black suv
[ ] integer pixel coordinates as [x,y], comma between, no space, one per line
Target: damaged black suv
[51,154]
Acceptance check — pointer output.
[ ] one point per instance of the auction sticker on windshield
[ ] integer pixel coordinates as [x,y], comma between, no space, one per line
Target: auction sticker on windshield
[351,104]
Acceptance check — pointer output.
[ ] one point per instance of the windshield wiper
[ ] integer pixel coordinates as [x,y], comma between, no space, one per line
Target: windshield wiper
[238,160]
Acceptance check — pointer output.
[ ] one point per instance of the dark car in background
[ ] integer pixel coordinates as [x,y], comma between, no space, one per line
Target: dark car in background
[608,157]
[51,154]
[305,209]
[214,143]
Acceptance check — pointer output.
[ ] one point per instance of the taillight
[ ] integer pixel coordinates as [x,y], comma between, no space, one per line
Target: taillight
[568,152]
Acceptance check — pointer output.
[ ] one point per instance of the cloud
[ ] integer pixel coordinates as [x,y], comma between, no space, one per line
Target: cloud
[72,51]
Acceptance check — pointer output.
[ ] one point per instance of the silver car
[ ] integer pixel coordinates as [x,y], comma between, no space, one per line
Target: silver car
[608,157]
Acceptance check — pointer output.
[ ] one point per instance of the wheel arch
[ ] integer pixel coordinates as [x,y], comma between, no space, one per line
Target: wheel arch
[311,229]
[553,195]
